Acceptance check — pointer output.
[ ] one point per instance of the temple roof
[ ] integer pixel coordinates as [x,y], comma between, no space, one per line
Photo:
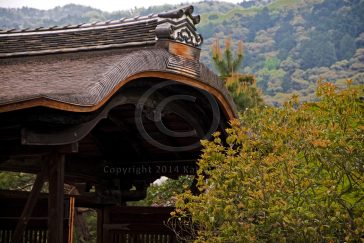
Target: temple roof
[127,32]
[80,67]
[86,81]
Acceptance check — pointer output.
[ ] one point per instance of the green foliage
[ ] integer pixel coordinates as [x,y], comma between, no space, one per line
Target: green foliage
[271,63]
[244,92]
[286,174]
[85,228]
[313,34]
[16,181]
[225,62]
[241,86]
[317,51]
[346,47]
[281,4]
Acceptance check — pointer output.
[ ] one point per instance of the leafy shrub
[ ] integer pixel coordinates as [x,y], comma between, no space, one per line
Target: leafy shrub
[291,174]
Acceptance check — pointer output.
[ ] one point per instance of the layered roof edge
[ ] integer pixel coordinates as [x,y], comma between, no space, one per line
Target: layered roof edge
[178,25]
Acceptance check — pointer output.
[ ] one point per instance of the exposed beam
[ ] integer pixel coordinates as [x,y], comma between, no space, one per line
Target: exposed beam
[86,200]
[18,151]
[70,134]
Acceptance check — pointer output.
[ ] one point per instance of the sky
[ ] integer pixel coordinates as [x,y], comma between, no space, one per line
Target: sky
[105,5]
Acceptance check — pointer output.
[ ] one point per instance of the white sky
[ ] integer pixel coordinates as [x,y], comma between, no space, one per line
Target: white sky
[105,5]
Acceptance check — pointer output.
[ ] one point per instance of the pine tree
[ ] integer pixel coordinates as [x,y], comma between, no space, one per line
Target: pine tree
[242,87]
[225,62]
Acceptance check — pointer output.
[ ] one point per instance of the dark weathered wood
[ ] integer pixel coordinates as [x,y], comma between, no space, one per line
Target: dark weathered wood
[10,198]
[70,134]
[56,197]
[29,206]
[100,223]
[69,148]
[108,36]
[12,204]
[136,222]
[19,151]
[129,137]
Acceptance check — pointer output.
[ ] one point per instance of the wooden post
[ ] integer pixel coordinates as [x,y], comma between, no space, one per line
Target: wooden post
[29,206]
[71,219]
[100,225]
[56,197]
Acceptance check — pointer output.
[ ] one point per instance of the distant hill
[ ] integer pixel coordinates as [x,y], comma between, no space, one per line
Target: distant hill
[289,44]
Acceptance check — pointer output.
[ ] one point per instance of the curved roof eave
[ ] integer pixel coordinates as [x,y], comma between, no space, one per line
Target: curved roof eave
[80,87]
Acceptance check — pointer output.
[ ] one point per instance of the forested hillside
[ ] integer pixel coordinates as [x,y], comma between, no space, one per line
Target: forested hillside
[289,44]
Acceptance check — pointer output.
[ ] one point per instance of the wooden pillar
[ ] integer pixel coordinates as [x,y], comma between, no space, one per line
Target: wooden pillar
[100,225]
[56,197]
[71,219]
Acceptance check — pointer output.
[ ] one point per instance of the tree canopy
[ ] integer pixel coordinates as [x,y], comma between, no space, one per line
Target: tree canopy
[283,174]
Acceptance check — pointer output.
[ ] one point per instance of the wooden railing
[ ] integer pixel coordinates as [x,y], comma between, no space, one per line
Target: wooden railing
[135,237]
[115,224]
[36,231]
[136,225]
[31,235]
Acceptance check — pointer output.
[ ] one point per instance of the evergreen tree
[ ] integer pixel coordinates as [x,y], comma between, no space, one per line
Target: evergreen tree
[242,87]
[318,51]
[225,62]
[346,48]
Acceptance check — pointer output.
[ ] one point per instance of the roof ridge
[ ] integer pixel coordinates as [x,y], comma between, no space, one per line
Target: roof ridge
[177,25]
[172,14]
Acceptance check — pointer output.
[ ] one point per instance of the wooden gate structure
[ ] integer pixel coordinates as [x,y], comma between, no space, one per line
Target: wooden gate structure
[107,107]
[136,224]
